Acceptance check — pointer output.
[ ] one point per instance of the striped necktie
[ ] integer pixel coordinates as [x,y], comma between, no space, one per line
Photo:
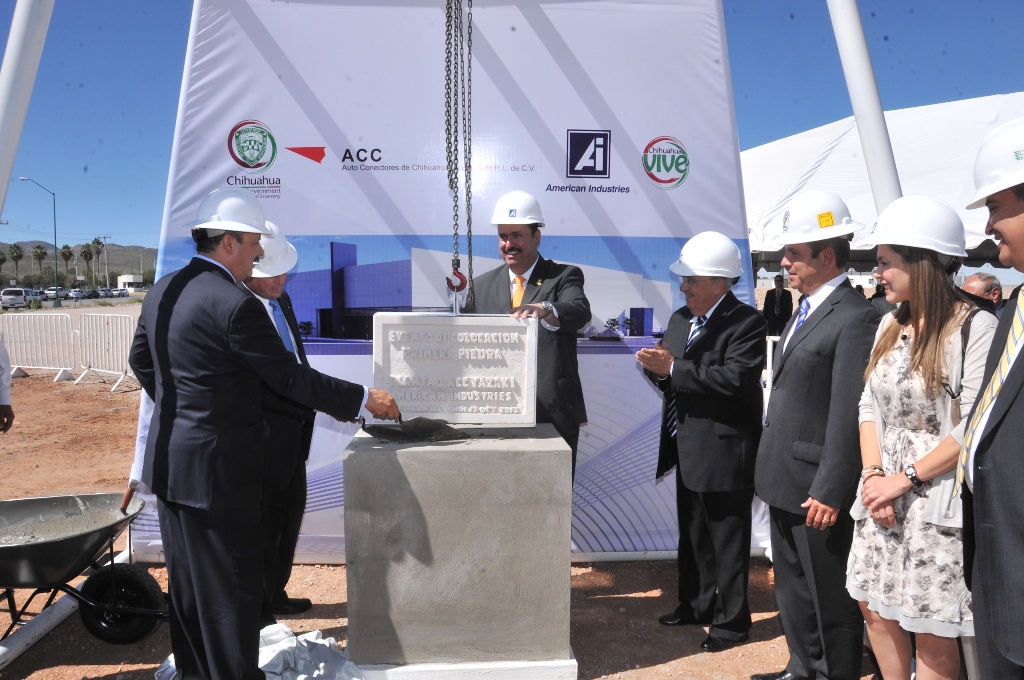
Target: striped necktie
[805,307]
[988,397]
[672,417]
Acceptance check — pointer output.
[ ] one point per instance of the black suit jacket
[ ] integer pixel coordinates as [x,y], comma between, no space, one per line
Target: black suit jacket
[994,512]
[201,351]
[785,308]
[559,392]
[717,387]
[811,442]
[291,423]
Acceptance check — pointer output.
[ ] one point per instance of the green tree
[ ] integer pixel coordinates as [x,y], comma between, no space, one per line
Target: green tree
[85,252]
[3,261]
[97,250]
[39,255]
[16,254]
[66,253]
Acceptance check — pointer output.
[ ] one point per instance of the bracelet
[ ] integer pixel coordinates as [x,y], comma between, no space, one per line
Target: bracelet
[872,471]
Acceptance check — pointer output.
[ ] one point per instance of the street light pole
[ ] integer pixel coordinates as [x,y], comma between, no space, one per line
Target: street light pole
[56,293]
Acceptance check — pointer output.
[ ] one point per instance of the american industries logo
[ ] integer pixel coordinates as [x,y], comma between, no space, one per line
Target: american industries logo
[666,162]
[587,153]
[252,146]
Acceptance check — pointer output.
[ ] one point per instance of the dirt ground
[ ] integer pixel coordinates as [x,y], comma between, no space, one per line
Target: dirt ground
[78,438]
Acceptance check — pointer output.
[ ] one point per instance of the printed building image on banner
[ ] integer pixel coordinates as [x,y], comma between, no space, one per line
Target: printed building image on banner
[617,117]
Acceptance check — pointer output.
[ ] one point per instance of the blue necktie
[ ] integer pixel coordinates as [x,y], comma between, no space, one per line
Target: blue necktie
[805,307]
[282,326]
[670,397]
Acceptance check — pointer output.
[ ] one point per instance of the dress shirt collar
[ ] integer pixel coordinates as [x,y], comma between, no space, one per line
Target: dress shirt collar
[211,260]
[526,275]
[817,297]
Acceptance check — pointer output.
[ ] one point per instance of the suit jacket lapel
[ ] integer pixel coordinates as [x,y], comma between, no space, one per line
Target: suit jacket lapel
[717,319]
[823,310]
[293,325]
[537,277]
[1014,379]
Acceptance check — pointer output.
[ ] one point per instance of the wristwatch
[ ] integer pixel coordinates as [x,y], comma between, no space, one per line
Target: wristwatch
[548,306]
[911,472]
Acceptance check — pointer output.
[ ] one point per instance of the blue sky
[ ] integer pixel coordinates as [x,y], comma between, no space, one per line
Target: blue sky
[101,120]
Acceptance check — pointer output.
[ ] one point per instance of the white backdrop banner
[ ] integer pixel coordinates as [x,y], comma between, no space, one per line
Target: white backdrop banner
[617,116]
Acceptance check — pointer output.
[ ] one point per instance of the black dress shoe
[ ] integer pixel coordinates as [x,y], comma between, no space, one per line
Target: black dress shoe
[717,644]
[292,606]
[675,619]
[781,675]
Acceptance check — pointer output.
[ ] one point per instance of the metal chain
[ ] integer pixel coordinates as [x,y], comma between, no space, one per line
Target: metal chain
[458,104]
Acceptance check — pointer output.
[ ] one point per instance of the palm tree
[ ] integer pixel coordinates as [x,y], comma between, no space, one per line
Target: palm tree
[66,253]
[39,255]
[3,261]
[16,254]
[85,252]
[97,249]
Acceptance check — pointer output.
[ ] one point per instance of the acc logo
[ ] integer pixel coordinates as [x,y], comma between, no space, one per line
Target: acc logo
[666,162]
[252,146]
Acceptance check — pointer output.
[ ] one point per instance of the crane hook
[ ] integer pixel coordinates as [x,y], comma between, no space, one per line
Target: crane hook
[461,285]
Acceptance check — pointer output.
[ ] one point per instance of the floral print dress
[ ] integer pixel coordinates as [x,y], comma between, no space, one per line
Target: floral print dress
[912,573]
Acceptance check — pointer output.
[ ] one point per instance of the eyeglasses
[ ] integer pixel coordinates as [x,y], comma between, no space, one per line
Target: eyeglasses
[694,280]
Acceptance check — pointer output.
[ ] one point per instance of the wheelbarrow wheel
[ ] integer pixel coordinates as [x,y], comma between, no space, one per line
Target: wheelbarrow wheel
[135,587]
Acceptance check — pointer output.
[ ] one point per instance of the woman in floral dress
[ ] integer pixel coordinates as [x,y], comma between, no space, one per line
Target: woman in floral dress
[906,563]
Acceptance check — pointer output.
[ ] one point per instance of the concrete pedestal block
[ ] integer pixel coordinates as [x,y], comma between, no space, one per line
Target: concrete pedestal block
[458,551]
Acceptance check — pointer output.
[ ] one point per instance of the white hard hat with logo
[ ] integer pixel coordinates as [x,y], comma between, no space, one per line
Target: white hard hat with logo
[230,209]
[920,222]
[815,216]
[709,254]
[279,256]
[517,207]
[1000,162]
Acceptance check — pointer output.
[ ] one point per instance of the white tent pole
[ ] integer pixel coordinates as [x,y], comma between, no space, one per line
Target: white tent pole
[867,105]
[17,76]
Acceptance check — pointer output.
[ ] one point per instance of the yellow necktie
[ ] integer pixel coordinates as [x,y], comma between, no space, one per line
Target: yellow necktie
[991,392]
[517,292]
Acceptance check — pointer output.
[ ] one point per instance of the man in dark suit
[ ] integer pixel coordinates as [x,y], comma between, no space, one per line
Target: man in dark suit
[709,367]
[290,431]
[528,285]
[201,351]
[778,307]
[991,455]
[809,461]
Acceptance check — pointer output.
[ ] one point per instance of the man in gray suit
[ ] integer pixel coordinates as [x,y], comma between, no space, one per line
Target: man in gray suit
[528,285]
[809,461]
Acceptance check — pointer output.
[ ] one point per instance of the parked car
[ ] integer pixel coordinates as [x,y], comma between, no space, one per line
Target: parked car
[105,293]
[91,294]
[122,292]
[36,295]
[54,293]
[76,294]
[13,298]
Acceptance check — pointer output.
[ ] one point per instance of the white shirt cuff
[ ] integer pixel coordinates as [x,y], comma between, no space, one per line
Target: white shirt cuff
[548,326]
[363,413]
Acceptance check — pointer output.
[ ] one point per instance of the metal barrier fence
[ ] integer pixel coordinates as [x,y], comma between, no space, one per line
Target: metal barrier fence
[40,341]
[105,342]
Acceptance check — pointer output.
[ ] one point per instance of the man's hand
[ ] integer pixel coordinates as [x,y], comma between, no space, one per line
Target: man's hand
[819,515]
[657,360]
[382,405]
[535,311]
[6,417]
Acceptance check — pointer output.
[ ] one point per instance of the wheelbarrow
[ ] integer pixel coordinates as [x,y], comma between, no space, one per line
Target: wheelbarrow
[47,542]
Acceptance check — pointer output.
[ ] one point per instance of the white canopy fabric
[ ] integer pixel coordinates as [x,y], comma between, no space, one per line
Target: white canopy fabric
[935,147]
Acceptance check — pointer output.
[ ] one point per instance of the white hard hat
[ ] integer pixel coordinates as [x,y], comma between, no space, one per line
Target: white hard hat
[230,209]
[815,216]
[279,256]
[517,207]
[1000,162]
[920,222]
[709,254]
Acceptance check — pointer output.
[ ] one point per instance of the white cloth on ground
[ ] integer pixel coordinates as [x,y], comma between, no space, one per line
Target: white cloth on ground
[283,656]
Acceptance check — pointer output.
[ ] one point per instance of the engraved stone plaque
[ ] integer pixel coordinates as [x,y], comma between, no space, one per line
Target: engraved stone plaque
[468,369]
